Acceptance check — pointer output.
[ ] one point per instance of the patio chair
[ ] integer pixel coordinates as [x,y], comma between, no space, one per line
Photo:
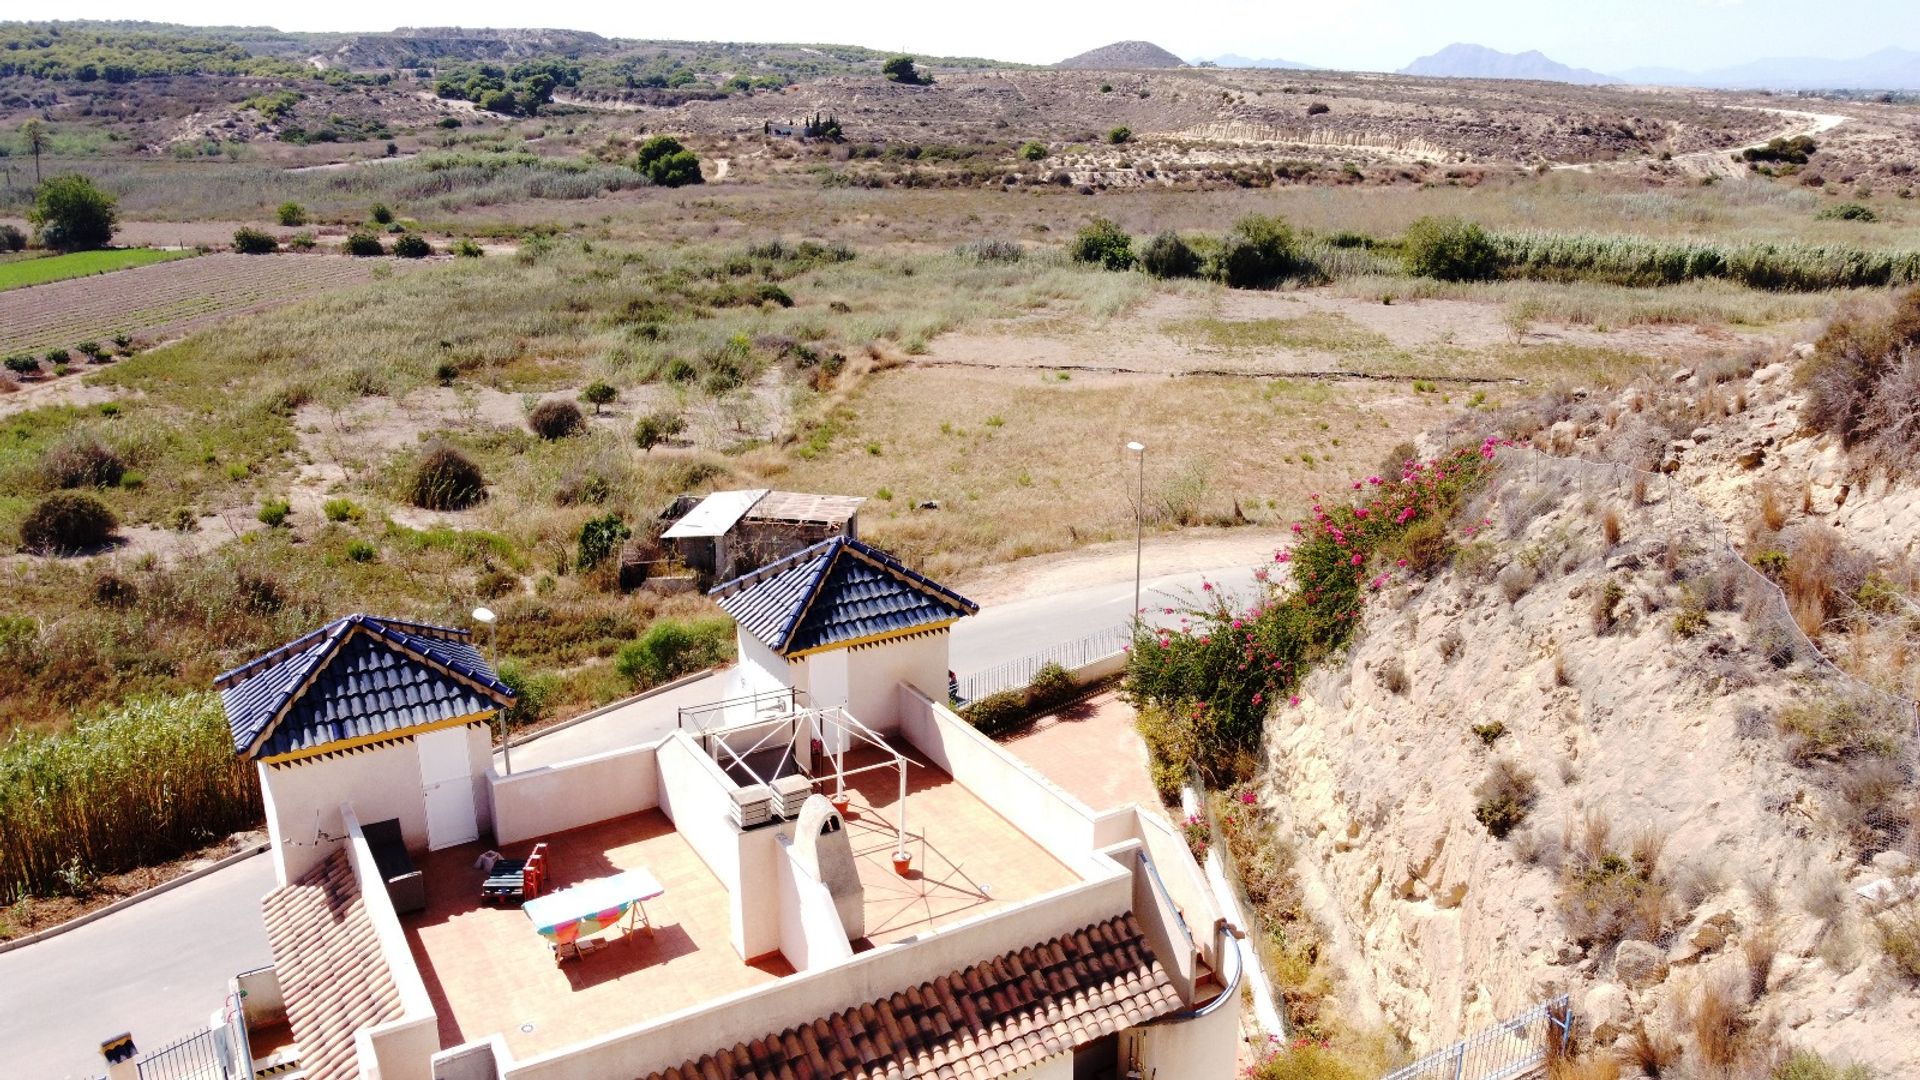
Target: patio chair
[516,880]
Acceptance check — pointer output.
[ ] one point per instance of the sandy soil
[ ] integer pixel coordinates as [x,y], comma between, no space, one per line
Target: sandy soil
[70,390]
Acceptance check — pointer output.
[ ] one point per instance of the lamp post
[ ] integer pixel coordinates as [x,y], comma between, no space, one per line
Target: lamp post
[1139,525]
[487,618]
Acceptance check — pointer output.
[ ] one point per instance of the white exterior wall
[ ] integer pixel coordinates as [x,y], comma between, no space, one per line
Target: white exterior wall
[874,673]
[303,798]
[760,668]
[1203,1047]
[555,798]
[811,933]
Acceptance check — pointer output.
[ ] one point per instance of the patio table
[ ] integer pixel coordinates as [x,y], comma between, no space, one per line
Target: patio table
[585,909]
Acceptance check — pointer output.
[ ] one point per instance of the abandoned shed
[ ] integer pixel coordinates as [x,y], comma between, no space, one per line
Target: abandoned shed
[731,533]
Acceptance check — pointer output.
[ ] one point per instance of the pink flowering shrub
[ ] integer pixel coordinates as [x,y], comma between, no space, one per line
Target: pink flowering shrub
[1219,671]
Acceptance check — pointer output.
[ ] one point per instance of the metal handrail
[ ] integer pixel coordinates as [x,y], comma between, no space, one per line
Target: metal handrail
[792,696]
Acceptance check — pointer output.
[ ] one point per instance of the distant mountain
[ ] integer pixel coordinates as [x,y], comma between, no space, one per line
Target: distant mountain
[1123,56]
[1229,60]
[1888,69]
[1460,61]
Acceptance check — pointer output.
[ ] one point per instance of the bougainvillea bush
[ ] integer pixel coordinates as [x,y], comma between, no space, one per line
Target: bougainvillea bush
[1211,682]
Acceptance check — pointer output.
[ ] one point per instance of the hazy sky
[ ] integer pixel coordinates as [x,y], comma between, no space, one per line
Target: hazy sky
[1379,35]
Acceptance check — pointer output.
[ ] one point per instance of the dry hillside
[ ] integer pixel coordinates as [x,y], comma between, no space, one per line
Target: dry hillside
[1707,828]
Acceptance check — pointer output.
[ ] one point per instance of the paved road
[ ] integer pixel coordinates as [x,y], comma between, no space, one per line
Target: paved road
[157,969]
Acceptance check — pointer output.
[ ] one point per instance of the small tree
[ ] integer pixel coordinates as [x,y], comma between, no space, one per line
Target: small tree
[71,214]
[599,394]
[1101,241]
[657,427]
[67,522]
[291,214]
[1033,151]
[364,245]
[900,69]
[35,134]
[667,163]
[600,538]
[251,241]
[1257,252]
[1450,249]
[555,419]
[1120,135]
[411,246]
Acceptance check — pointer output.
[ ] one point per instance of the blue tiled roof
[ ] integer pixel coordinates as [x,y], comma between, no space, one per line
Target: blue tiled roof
[836,591]
[354,677]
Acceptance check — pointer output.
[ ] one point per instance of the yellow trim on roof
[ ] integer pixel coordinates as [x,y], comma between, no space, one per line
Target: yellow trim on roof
[887,635]
[362,741]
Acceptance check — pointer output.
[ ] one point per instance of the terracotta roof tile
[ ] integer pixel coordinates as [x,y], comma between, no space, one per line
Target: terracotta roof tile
[327,957]
[998,1016]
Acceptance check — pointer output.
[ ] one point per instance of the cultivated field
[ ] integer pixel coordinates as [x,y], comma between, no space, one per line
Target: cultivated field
[158,302]
[20,273]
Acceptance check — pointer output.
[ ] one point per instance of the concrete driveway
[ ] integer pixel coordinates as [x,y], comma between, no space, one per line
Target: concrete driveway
[157,969]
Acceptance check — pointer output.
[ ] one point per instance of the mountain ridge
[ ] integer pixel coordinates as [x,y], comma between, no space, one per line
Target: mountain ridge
[1122,56]
[1463,60]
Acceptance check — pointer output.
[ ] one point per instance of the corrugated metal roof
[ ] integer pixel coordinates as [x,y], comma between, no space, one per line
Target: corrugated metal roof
[715,515]
[805,507]
[838,590]
[352,678]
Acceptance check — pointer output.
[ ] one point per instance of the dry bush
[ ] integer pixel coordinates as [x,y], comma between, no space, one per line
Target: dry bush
[1393,676]
[1516,579]
[1898,934]
[1505,797]
[1758,950]
[1561,677]
[1610,526]
[1596,1066]
[82,460]
[1772,511]
[1855,363]
[1652,1054]
[445,479]
[1716,1016]
[1607,896]
[1835,729]
[1450,645]
[1606,605]
[555,419]
[1821,576]
[1872,804]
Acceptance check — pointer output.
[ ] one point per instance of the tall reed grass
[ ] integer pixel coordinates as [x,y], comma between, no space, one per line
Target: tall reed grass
[132,786]
[1639,260]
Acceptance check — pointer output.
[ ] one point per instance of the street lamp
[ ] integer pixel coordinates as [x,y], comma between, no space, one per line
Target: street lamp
[1139,518]
[487,618]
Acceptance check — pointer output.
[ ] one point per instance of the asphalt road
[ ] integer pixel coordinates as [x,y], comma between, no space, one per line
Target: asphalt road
[159,968]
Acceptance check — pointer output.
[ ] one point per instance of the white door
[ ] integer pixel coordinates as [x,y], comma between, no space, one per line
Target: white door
[446,778]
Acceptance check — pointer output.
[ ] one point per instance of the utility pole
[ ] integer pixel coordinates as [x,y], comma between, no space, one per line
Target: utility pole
[1139,526]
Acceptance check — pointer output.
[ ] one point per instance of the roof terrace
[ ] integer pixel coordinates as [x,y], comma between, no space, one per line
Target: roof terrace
[487,970]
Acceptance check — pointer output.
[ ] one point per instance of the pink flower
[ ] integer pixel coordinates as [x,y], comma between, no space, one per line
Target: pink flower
[1402,563]
[1236,624]
[1356,485]
[1356,558]
[1247,798]
[1284,556]
[1206,586]
[1294,701]
[1374,480]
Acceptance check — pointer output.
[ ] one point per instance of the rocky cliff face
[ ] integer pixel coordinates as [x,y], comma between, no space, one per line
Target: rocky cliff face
[1600,656]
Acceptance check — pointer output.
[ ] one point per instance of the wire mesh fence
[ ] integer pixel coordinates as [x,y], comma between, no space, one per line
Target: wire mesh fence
[1514,1047]
[200,1056]
[1068,654]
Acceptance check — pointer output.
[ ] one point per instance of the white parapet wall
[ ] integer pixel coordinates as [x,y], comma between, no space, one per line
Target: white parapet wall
[403,1048]
[811,933]
[554,798]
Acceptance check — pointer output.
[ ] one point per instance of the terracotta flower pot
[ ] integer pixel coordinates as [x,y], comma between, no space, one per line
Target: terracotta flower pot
[840,804]
[902,863]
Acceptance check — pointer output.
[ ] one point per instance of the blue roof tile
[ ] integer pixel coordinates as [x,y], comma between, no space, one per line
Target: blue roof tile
[355,677]
[836,591]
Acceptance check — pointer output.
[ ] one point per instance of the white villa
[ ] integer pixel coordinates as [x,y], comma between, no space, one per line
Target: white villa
[834,876]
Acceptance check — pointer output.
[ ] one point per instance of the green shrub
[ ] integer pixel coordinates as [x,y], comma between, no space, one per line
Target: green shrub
[1809,1065]
[1792,150]
[1051,685]
[600,538]
[1256,253]
[302,241]
[900,69]
[23,365]
[82,459]
[1102,242]
[93,351]
[1120,135]
[11,238]
[466,249]
[1490,732]
[445,479]
[342,510]
[997,712]
[1449,249]
[67,522]
[657,427]
[531,693]
[555,419]
[58,358]
[1168,256]
[1000,251]
[1847,211]
[1033,151]
[70,214]
[381,214]
[248,240]
[363,244]
[667,163]
[411,246]
[291,214]
[362,550]
[674,647]
[599,394]
[274,512]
